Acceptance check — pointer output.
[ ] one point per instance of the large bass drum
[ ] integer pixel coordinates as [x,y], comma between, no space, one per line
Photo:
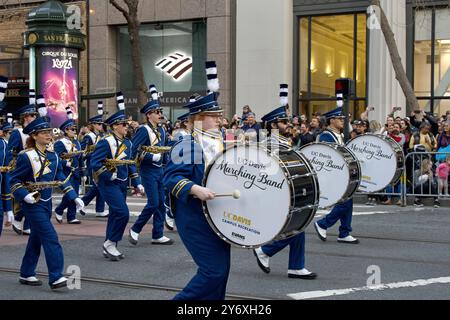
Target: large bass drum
[381,158]
[279,195]
[338,171]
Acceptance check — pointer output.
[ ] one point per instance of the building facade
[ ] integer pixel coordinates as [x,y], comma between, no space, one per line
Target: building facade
[257,44]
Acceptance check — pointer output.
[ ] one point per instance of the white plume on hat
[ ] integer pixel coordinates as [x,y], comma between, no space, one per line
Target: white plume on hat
[69,113]
[211,73]
[100,109]
[153,92]
[192,99]
[3,86]
[284,92]
[120,101]
[9,118]
[42,107]
[32,96]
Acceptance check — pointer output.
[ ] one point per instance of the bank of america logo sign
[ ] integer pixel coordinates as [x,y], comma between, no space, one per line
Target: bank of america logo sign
[176,65]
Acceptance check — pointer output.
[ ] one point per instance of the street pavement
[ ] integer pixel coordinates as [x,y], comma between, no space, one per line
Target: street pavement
[404,254]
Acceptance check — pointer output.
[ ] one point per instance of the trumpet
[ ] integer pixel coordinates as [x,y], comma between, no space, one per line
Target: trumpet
[156,149]
[112,164]
[70,155]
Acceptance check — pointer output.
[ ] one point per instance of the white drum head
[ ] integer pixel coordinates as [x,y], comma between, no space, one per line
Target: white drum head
[377,159]
[260,213]
[332,172]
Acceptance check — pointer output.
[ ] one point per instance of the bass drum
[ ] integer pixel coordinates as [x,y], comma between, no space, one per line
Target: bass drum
[279,195]
[381,158]
[338,171]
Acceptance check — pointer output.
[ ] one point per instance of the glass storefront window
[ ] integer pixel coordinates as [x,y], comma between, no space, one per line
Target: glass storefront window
[327,48]
[173,56]
[432,83]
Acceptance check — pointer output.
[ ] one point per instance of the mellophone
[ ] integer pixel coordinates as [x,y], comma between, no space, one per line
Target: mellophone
[280,192]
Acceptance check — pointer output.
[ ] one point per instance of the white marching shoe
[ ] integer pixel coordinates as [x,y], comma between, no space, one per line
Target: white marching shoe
[170,223]
[262,259]
[163,241]
[30,281]
[17,227]
[133,237]
[60,283]
[102,214]
[348,239]
[302,274]
[26,232]
[321,233]
[59,218]
[111,250]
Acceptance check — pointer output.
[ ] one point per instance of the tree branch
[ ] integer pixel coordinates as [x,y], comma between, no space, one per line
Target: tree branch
[120,8]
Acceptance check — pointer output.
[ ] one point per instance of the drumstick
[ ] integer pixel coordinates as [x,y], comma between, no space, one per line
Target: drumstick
[236,195]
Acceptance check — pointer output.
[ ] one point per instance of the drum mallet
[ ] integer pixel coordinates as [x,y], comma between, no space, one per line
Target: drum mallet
[236,195]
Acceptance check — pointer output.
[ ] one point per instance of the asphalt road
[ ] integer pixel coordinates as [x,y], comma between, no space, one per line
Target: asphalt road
[399,247]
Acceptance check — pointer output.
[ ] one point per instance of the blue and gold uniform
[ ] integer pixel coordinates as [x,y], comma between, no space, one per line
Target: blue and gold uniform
[341,211]
[16,144]
[38,165]
[5,204]
[88,145]
[296,268]
[112,182]
[151,171]
[185,170]
[72,166]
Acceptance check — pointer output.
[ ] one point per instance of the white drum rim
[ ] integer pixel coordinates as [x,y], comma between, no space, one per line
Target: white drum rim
[336,147]
[205,204]
[396,177]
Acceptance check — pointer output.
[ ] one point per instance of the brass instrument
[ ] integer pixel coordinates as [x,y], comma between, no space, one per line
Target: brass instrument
[156,149]
[112,164]
[70,155]
[10,167]
[39,186]
[89,149]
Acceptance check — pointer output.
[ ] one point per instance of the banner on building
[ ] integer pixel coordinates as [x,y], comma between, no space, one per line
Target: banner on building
[57,79]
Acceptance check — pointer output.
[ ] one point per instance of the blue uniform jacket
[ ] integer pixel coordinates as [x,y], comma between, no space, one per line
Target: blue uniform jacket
[184,169]
[5,158]
[142,138]
[29,169]
[64,146]
[328,136]
[90,139]
[15,142]
[111,147]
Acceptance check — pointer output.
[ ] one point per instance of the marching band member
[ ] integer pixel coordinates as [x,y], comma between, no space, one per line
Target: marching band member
[71,166]
[183,177]
[177,135]
[38,165]
[342,211]
[112,180]
[88,145]
[6,206]
[277,125]
[151,171]
[16,144]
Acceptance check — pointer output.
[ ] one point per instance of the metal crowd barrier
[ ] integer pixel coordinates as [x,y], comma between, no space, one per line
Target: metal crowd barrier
[409,185]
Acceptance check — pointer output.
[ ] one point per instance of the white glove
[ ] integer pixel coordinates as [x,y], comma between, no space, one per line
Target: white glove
[69,164]
[30,198]
[157,157]
[84,179]
[140,188]
[10,215]
[114,176]
[79,203]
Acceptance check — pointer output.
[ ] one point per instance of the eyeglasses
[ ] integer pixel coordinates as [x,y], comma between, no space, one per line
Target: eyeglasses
[123,124]
[158,112]
[72,129]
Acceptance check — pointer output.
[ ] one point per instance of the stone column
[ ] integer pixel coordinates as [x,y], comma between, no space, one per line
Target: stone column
[264,53]
[384,89]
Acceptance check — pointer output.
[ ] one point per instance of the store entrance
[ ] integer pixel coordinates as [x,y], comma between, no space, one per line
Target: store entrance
[331,47]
